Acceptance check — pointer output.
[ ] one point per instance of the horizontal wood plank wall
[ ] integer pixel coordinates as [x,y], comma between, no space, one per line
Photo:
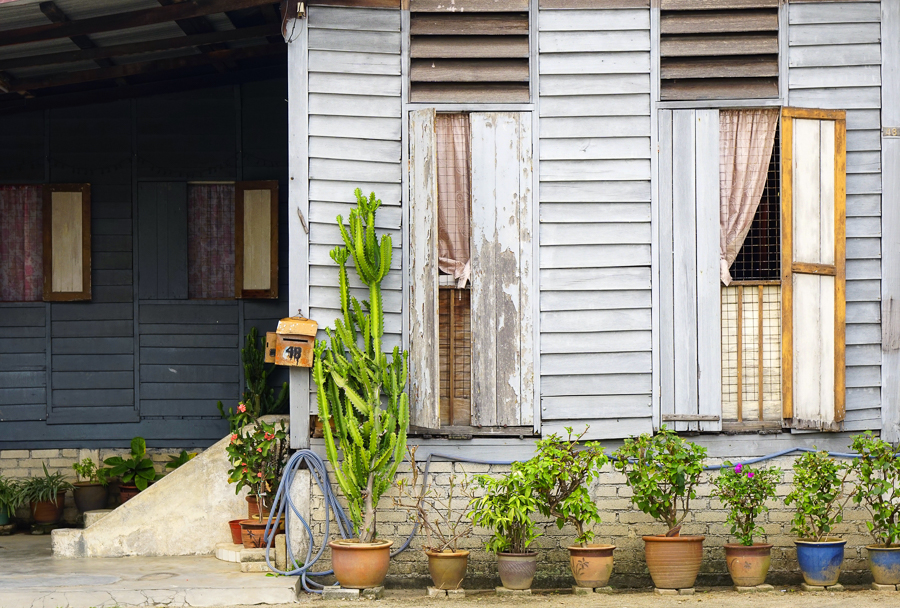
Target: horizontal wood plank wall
[354,142]
[595,221]
[834,62]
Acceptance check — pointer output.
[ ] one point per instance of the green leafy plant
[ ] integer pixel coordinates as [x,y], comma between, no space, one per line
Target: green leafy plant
[182,458]
[358,388]
[46,488]
[258,454]
[11,495]
[878,487]
[744,491]
[506,507]
[434,511]
[138,469]
[258,398]
[663,471]
[817,490]
[561,474]
[87,471]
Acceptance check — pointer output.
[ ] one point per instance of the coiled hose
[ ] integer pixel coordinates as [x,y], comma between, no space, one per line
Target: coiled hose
[318,472]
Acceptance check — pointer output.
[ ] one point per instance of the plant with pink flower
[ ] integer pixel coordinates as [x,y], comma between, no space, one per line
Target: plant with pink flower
[745,492]
[258,454]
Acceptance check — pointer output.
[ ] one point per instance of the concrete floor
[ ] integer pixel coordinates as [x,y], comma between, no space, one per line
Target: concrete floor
[30,577]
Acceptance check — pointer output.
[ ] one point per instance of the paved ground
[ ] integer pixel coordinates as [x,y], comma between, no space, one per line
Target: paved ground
[31,578]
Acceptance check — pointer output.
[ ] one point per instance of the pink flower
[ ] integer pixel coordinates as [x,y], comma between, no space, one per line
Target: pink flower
[242,408]
[259,449]
[269,436]
[259,474]
[750,474]
[738,467]
[233,437]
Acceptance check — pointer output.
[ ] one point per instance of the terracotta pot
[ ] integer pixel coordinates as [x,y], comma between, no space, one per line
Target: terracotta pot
[49,511]
[447,568]
[674,561]
[127,491]
[90,496]
[884,562]
[748,566]
[235,526]
[591,565]
[517,569]
[253,532]
[360,565]
[253,508]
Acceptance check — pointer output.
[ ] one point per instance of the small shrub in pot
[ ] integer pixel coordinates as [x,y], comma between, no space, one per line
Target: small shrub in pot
[137,471]
[91,488]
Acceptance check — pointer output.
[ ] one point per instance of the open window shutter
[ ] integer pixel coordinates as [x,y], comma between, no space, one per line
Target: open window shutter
[67,242]
[813,274]
[423,261]
[162,241]
[256,239]
[690,314]
[502,327]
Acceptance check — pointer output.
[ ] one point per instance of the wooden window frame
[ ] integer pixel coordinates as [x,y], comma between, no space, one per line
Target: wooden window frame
[239,291]
[85,292]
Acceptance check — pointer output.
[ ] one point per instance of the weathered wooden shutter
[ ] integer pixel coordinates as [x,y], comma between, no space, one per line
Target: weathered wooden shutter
[423,262]
[67,242]
[731,52]
[690,313]
[813,267]
[256,239]
[162,241]
[502,329]
[469,51]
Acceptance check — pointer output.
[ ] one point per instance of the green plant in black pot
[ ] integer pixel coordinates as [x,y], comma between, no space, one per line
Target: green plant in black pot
[47,495]
[136,472]
[90,492]
[10,498]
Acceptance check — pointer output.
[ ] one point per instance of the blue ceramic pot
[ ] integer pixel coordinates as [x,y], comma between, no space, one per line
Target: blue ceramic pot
[820,562]
[885,564]
[4,517]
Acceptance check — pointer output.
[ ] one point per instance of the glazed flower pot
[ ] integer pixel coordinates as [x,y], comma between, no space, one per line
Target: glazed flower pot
[591,565]
[253,532]
[49,511]
[820,561]
[127,491]
[674,561]
[748,565]
[884,562]
[90,496]
[447,568]
[517,569]
[360,565]
[4,517]
[235,527]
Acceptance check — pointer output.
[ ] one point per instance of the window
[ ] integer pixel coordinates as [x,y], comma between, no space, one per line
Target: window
[469,51]
[21,244]
[210,241]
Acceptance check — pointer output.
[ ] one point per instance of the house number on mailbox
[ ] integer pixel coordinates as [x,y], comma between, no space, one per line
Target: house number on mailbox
[293,353]
[891,132]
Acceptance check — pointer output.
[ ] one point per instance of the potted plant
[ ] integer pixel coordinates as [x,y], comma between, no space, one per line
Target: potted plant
[90,492]
[444,526]
[136,472]
[47,496]
[817,490]
[363,394]
[878,489]
[258,454]
[561,473]
[744,491]
[663,471]
[10,498]
[506,507]
[177,461]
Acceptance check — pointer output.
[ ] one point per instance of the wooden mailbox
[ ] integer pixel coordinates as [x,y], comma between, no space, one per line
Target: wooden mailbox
[292,342]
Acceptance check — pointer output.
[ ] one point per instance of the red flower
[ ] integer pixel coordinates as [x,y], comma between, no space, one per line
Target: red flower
[233,437]
[242,408]
[259,449]
[269,436]
[259,474]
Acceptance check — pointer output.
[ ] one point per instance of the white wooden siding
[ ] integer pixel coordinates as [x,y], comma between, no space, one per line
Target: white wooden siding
[354,142]
[595,221]
[834,59]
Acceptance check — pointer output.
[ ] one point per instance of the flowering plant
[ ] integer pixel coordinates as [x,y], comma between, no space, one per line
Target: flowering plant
[745,492]
[258,454]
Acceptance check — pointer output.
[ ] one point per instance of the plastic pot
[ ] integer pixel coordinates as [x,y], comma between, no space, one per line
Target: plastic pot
[820,561]
[674,561]
[748,565]
[884,562]
[517,569]
[591,565]
[360,565]
[447,568]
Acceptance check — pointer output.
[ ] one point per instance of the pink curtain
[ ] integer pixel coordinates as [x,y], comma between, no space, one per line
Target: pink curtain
[210,241]
[452,133]
[746,138]
[21,244]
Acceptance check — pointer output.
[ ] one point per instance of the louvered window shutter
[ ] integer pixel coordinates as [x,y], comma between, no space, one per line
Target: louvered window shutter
[690,313]
[813,267]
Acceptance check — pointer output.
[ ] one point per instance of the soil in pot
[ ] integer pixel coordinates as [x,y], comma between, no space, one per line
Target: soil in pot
[591,565]
[820,561]
[49,511]
[447,568]
[516,569]
[674,561]
[360,565]
[748,565]
[884,562]
[127,491]
[90,496]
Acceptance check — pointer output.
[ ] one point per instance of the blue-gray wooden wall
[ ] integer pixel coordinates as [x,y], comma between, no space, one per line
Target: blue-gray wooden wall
[96,374]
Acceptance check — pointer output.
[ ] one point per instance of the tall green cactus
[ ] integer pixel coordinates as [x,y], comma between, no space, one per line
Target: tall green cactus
[357,387]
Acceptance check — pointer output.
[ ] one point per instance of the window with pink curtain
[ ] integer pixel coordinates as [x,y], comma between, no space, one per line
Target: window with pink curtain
[454,159]
[210,241]
[21,244]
